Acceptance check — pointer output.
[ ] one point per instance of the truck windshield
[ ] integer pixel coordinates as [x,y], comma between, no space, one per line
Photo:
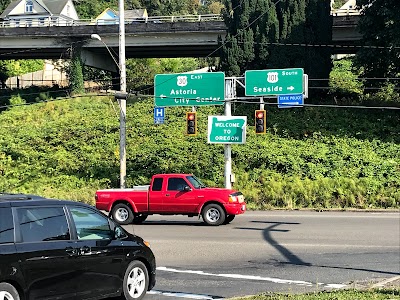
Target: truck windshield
[197,184]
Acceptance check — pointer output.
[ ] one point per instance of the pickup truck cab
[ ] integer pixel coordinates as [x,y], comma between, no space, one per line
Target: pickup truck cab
[171,194]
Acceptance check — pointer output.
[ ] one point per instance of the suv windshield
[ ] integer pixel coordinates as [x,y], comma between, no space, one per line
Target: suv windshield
[197,184]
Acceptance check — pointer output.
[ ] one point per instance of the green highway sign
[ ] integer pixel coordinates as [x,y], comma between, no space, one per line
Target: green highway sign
[227,130]
[274,82]
[189,89]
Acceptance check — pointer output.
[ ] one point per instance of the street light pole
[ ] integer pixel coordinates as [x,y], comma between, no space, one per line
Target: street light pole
[121,95]
[122,100]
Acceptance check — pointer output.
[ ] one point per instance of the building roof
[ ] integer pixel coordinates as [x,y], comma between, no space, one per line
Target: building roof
[9,8]
[108,13]
[53,7]
[135,13]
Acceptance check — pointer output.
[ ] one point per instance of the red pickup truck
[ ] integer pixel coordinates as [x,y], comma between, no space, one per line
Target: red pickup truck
[171,194]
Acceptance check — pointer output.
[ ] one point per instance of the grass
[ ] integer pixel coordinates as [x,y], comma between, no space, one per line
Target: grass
[352,294]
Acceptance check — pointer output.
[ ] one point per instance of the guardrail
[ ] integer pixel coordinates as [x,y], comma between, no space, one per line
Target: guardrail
[51,21]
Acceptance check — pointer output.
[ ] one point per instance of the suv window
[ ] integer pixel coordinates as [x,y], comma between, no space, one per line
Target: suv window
[6,226]
[43,224]
[90,225]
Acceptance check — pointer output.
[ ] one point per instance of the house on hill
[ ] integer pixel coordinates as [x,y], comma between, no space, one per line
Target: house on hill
[25,13]
[351,4]
[110,16]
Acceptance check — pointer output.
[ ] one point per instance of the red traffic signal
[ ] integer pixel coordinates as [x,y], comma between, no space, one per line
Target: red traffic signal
[191,123]
[260,121]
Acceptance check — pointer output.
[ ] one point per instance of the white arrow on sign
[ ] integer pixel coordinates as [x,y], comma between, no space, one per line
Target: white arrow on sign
[290,88]
[163,96]
[290,103]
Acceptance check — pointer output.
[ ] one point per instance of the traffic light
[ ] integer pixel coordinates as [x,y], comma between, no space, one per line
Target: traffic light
[191,123]
[261,121]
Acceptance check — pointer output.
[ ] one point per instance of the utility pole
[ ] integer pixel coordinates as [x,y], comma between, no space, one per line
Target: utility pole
[122,99]
[230,94]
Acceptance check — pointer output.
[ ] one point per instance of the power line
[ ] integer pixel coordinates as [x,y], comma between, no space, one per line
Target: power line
[244,100]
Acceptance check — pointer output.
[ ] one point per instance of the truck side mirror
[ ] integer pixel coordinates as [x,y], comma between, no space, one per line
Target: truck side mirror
[187,188]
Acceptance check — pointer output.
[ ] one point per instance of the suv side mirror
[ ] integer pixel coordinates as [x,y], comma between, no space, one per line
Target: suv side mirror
[119,233]
[187,188]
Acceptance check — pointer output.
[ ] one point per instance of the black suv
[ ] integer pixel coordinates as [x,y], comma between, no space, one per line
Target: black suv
[58,249]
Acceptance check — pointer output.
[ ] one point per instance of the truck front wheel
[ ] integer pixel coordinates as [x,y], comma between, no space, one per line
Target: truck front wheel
[122,214]
[213,214]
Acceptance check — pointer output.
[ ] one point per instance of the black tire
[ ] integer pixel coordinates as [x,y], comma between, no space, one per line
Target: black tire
[10,293]
[139,219]
[136,281]
[122,214]
[213,214]
[229,218]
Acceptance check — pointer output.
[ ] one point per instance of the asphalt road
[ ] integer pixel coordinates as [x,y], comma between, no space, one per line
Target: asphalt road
[272,251]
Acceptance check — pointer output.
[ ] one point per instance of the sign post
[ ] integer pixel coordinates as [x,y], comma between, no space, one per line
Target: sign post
[189,89]
[274,82]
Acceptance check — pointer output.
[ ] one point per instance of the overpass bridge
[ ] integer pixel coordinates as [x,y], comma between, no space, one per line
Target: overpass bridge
[182,36]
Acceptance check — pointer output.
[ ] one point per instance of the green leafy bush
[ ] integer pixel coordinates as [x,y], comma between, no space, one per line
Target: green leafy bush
[17,100]
[310,158]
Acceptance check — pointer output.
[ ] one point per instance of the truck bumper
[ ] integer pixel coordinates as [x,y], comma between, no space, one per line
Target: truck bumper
[235,208]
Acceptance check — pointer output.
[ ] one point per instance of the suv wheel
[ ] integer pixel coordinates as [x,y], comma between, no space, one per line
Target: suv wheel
[213,214]
[122,214]
[8,292]
[136,281]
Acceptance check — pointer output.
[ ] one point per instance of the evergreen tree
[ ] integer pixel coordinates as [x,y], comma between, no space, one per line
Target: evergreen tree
[260,34]
[379,23]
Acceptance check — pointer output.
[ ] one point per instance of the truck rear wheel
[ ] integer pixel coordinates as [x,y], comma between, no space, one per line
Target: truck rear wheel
[213,214]
[122,214]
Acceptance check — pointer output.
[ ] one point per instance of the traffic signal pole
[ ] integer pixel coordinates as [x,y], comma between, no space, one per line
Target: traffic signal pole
[230,94]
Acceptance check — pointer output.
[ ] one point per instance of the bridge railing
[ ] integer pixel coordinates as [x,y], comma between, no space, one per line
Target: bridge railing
[55,21]
[345,12]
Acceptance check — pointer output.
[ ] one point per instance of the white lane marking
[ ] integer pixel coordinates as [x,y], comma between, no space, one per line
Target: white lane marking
[181,295]
[251,277]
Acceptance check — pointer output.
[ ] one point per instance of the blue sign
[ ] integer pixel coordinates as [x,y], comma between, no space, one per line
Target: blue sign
[159,115]
[293,100]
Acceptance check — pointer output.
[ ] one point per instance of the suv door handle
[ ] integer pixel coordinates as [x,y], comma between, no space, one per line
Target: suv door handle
[166,194]
[84,249]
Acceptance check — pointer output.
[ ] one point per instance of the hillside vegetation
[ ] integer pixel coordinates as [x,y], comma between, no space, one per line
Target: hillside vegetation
[315,157]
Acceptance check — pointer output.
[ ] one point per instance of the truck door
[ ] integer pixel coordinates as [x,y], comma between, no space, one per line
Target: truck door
[156,195]
[176,199]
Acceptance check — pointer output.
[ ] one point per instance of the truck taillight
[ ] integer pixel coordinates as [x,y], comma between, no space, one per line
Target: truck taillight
[96,197]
